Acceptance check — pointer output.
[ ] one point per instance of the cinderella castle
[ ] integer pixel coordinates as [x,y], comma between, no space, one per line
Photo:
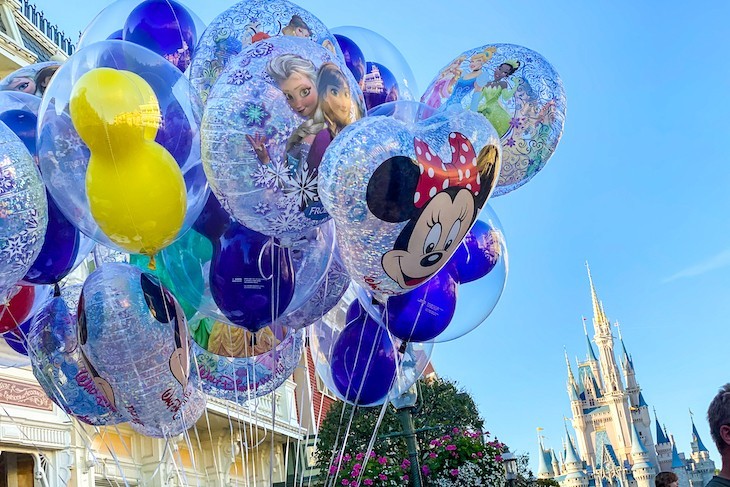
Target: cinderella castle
[614,444]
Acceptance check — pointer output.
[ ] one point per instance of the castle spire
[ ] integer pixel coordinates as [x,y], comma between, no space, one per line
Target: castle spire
[591,353]
[697,445]
[599,317]
[660,436]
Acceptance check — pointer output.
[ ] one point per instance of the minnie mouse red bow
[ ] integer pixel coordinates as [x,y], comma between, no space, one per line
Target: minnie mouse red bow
[437,176]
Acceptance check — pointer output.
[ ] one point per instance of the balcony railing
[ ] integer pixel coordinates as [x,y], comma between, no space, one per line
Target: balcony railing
[38,19]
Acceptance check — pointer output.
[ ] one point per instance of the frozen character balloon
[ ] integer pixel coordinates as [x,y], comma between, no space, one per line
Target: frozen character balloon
[498,89]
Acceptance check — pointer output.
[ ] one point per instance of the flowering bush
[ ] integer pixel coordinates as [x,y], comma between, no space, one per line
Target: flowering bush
[354,471]
[462,458]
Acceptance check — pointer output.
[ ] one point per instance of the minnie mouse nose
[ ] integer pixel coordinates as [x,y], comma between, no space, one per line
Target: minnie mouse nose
[431,259]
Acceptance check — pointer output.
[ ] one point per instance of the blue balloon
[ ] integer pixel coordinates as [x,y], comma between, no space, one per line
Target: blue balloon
[17,339]
[354,58]
[134,336]
[380,86]
[251,277]
[23,124]
[422,314]
[477,255]
[60,369]
[363,360]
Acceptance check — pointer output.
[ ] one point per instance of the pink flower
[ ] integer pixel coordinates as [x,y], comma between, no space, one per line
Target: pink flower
[333,469]
[426,471]
[345,482]
[405,478]
[498,458]
[382,460]
[359,456]
[383,477]
[455,431]
[432,455]
[451,447]
[347,457]
[368,481]
[454,472]
[372,454]
[479,454]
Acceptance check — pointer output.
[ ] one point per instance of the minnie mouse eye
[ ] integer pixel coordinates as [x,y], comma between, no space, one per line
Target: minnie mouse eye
[432,239]
[453,234]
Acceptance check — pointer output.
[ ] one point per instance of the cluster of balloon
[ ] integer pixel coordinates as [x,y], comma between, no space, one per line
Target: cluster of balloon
[152,387]
[359,360]
[239,366]
[520,94]
[95,140]
[379,68]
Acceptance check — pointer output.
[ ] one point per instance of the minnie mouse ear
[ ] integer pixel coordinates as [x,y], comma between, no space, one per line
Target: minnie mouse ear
[391,190]
[489,163]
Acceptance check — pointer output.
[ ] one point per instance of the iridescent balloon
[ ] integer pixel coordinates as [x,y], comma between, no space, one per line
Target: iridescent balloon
[404,190]
[135,338]
[240,379]
[262,147]
[248,22]
[520,94]
[23,211]
[60,368]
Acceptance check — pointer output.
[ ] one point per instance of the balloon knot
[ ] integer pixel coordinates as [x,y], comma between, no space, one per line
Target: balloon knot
[152,265]
[56,290]
[403,347]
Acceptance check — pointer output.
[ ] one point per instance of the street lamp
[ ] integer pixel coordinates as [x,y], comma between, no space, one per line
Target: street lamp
[510,467]
[404,406]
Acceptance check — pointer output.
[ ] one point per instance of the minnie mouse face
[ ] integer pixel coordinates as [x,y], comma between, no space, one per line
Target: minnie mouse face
[165,309]
[439,201]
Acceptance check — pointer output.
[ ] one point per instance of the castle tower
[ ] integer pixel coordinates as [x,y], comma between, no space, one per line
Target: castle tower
[574,474]
[642,469]
[544,467]
[555,464]
[615,397]
[704,467]
[678,467]
[663,448]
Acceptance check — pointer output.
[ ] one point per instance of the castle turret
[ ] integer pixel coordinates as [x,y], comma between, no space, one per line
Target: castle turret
[704,468]
[544,467]
[678,467]
[663,448]
[575,476]
[642,469]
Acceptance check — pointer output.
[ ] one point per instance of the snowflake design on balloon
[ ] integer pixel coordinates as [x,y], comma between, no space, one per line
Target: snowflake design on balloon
[262,177]
[303,187]
[280,171]
[286,221]
[262,208]
[7,181]
[239,77]
[261,49]
[254,114]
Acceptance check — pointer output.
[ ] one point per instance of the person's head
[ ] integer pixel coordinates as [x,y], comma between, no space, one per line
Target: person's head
[297,79]
[718,415]
[297,28]
[44,77]
[334,96]
[505,69]
[666,479]
[476,62]
[26,84]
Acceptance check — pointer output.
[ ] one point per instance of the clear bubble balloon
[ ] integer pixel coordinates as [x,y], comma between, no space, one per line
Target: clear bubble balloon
[387,76]
[166,27]
[404,188]
[147,116]
[31,80]
[134,337]
[23,211]
[358,360]
[246,23]
[275,109]
[520,94]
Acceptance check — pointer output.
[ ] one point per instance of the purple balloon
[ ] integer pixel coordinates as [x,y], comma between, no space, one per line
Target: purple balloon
[354,57]
[422,314]
[213,220]
[165,27]
[60,249]
[363,360]
[477,255]
[380,86]
[251,277]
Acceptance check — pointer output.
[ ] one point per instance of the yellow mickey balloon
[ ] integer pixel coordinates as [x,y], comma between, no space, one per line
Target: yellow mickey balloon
[135,188]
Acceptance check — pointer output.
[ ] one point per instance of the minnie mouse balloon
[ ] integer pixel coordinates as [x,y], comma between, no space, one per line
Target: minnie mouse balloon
[60,369]
[270,117]
[134,336]
[404,193]
[23,211]
[520,94]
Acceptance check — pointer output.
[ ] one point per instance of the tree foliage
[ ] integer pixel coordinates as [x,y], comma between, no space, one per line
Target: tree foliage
[442,406]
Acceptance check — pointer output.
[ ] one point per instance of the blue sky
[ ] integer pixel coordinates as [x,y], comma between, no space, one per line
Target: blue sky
[638,187]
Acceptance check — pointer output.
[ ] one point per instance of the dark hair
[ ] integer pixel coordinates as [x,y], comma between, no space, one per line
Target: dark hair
[663,479]
[297,23]
[718,415]
[42,74]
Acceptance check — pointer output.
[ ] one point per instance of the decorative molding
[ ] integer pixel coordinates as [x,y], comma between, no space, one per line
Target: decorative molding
[25,395]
